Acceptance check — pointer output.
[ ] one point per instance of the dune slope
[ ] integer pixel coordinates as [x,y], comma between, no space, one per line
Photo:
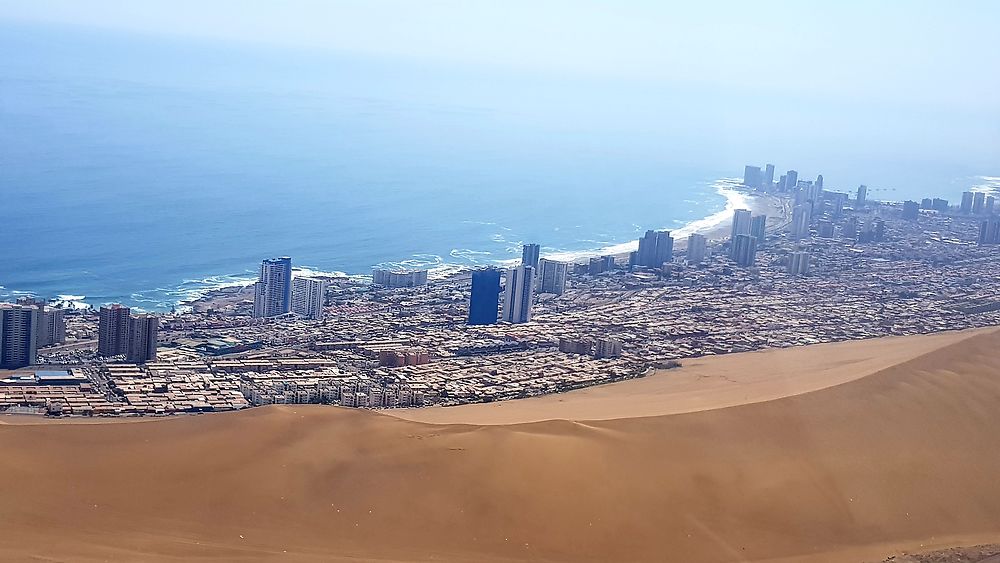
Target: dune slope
[904,457]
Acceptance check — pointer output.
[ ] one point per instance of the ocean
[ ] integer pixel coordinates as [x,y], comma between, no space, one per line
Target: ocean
[148,171]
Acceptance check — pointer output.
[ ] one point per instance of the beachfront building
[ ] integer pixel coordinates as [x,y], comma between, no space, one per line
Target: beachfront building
[600,264]
[51,326]
[519,294]
[18,335]
[655,249]
[112,330]
[530,254]
[741,224]
[399,278]
[911,210]
[273,290]
[308,296]
[553,276]
[142,333]
[791,180]
[768,180]
[483,305]
[751,176]
[51,322]
[697,248]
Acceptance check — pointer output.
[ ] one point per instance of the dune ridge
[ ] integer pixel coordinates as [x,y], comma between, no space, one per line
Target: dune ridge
[706,383]
[904,458]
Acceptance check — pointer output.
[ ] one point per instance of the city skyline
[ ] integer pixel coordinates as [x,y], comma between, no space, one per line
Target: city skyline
[468,280]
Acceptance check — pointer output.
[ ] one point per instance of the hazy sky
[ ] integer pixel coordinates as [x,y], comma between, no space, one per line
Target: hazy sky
[933,53]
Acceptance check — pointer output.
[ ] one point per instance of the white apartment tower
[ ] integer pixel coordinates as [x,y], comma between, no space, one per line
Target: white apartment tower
[519,294]
[553,276]
[308,295]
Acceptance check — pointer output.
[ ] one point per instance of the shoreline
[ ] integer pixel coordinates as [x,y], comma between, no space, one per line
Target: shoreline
[212,288]
[715,227]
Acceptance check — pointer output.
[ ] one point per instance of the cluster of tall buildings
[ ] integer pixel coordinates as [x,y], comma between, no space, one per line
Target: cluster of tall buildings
[656,248]
[119,333]
[518,289]
[25,327]
[937,204]
[747,233]
[977,203]
[51,322]
[519,294]
[277,292]
[758,179]
[484,303]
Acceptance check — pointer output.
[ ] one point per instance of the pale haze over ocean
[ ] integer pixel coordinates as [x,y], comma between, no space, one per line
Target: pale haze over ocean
[150,151]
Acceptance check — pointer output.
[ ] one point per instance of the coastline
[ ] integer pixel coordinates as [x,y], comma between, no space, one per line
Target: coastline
[716,227]
[210,292]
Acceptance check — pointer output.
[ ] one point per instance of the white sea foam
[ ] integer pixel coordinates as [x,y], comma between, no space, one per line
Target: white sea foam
[987,184]
[70,302]
[464,259]
[307,272]
[725,187]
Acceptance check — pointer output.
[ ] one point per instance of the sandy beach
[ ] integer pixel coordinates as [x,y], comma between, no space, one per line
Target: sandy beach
[878,457]
[716,228]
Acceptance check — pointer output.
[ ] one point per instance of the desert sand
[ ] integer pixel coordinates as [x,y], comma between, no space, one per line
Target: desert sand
[903,458]
[709,382]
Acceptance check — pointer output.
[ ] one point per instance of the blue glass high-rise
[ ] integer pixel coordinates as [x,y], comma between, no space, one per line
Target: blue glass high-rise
[484,304]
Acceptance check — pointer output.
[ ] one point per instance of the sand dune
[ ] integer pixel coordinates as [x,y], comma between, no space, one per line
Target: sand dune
[710,382]
[906,458]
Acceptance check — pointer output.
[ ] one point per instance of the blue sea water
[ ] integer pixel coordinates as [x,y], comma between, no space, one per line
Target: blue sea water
[145,170]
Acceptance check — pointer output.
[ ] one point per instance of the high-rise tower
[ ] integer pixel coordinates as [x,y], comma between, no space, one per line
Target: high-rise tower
[519,294]
[18,335]
[485,297]
[112,330]
[273,290]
